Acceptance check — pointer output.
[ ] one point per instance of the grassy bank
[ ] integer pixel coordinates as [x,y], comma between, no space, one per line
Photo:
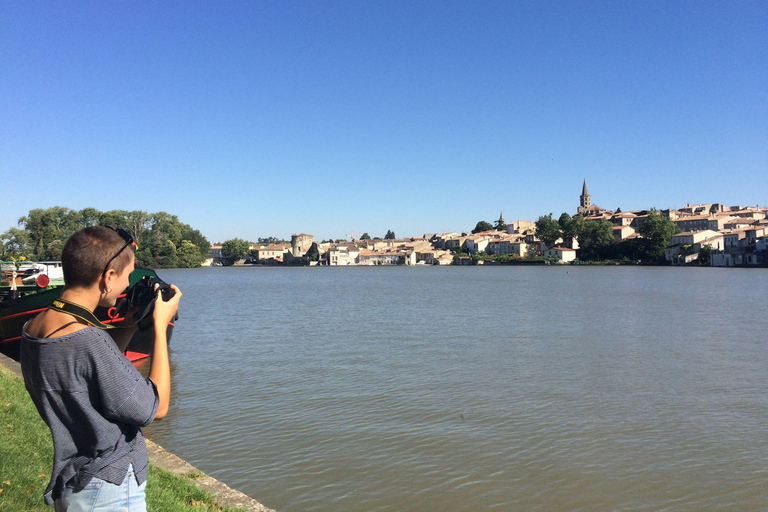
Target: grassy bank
[26,454]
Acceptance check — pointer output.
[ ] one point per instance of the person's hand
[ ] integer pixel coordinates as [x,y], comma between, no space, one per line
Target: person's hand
[165,310]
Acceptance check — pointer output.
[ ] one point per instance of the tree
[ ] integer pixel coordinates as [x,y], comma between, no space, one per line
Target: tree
[482,226]
[595,239]
[234,249]
[46,226]
[13,243]
[90,217]
[197,238]
[167,255]
[657,231]
[570,227]
[189,255]
[390,235]
[548,230]
[365,236]
[160,236]
[705,255]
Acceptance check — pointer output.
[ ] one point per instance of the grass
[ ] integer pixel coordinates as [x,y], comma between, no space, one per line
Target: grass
[26,454]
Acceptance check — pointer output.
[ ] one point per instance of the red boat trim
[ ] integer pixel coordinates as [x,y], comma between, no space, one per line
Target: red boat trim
[135,356]
[30,312]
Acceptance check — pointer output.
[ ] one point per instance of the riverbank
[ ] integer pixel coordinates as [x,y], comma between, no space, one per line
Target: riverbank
[26,453]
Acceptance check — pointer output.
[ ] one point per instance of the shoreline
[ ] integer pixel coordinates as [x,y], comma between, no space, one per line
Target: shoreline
[167,461]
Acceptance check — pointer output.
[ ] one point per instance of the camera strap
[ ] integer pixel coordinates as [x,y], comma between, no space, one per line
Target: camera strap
[78,311]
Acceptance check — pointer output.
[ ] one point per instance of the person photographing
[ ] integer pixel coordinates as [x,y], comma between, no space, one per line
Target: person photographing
[89,394]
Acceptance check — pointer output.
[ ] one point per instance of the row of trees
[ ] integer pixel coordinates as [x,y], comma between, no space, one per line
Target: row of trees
[596,240]
[482,226]
[163,240]
[389,236]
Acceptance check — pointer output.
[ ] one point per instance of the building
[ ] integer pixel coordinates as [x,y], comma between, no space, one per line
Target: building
[563,254]
[387,258]
[684,247]
[588,210]
[300,244]
[343,255]
[269,254]
[622,232]
[585,200]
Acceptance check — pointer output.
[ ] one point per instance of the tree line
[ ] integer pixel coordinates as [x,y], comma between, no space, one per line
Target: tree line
[596,240]
[163,240]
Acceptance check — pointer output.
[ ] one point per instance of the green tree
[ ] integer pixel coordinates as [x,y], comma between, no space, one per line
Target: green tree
[160,236]
[197,238]
[167,255]
[90,217]
[138,224]
[189,255]
[14,242]
[656,231]
[570,227]
[500,225]
[482,226]
[705,255]
[595,239]
[390,235]
[365,236]
[46,226]
[547,230]
[116,219]
[234,249]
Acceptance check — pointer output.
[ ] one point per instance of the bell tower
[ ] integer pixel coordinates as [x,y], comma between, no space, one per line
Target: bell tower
[585,201]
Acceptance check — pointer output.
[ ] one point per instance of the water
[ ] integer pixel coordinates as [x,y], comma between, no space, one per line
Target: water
[453,389]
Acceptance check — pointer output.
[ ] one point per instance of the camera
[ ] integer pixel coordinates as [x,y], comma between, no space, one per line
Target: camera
[143,295]
[144,292]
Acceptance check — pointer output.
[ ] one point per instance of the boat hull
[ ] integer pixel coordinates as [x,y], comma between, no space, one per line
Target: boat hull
[14,313]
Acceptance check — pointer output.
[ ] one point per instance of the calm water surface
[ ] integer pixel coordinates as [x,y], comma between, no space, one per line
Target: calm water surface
[452,389]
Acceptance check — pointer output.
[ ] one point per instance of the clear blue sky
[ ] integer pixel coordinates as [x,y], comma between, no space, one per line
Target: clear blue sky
[268,118]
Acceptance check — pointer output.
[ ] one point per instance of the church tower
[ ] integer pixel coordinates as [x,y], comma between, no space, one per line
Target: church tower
[585,201]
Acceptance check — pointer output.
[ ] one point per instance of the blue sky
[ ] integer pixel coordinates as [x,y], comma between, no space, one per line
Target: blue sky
[268,118]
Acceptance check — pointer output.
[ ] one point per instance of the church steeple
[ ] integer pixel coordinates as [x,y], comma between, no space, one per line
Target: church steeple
[585,201]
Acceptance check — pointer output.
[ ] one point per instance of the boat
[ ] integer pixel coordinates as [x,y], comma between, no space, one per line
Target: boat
[22,299]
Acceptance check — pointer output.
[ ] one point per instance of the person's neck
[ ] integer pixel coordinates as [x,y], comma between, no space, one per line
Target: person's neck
[85,297]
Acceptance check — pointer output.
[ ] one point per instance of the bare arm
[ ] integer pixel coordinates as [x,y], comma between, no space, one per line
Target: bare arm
[160,370]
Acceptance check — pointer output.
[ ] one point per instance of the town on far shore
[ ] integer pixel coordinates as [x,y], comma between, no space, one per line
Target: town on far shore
[700,234]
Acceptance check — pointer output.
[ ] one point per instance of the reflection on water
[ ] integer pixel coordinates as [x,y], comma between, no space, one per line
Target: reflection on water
[509,388]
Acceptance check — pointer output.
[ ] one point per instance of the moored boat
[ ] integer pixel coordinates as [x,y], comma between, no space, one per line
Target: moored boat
[20,301]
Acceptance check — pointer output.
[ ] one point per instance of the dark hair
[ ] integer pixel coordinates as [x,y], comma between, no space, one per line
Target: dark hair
[87,252]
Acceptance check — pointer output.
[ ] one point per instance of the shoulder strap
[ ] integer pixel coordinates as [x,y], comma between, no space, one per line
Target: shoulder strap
[60,328]
[78,311]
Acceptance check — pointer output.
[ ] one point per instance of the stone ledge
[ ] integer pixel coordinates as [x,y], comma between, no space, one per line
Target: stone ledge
[224,495]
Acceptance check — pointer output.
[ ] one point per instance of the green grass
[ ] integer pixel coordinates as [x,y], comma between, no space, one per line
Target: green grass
[26,454]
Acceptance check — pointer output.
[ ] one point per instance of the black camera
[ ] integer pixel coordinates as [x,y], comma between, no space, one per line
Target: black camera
[143,295]
[144,292]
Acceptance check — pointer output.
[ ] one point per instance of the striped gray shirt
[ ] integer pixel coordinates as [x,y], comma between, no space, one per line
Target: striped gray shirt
[94,401]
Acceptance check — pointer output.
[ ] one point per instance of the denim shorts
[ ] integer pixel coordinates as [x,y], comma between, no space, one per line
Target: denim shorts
[102,496]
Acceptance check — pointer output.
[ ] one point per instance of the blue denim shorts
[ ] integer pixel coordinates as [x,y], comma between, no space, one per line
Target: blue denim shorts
[102,496]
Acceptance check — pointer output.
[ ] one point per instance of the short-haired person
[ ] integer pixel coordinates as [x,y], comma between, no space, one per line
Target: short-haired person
[90,395]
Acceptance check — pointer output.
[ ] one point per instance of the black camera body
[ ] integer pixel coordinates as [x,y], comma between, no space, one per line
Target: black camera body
[144,292]
[142,296]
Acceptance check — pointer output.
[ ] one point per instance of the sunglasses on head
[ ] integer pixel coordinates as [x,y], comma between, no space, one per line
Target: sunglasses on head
[128,241]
